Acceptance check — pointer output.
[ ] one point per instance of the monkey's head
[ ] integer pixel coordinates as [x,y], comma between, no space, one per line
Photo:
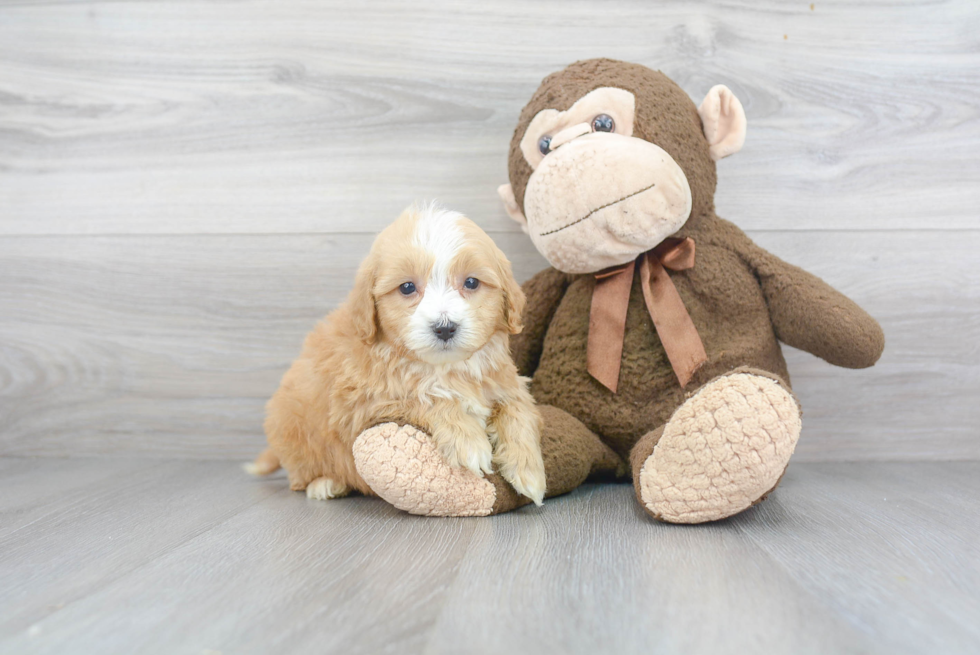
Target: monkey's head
[610,158]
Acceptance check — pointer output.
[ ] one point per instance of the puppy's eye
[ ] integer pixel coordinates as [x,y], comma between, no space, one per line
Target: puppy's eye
[544,145]
[471,283]
[603,123]
[407,289]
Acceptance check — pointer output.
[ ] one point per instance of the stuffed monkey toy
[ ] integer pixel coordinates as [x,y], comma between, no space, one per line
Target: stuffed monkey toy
[653,341]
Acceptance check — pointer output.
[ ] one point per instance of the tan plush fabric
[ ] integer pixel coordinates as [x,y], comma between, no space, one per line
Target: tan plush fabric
[664,115]
[616,103]
[721,450]
[742,300]
[696,454]
[401,465]
[724,122]
[635,196]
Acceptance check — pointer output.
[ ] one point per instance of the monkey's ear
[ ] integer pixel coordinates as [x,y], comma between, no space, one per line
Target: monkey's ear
[506,193]
[723,120]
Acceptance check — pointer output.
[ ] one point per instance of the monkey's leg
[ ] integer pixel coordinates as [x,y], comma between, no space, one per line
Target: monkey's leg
[721,452]
[573,453]
[402,466]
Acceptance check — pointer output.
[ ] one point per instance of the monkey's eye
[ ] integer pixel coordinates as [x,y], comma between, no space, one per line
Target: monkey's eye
[603,123]
[544,145]
[407,289]
[471,283]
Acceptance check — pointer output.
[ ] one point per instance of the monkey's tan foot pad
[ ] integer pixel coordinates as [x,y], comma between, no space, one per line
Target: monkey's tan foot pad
[401,464]
[722,451]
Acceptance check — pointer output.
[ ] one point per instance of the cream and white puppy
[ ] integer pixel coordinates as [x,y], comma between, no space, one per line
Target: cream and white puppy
[422,339]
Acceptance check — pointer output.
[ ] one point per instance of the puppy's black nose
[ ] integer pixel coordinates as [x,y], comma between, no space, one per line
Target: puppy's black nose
[444,331]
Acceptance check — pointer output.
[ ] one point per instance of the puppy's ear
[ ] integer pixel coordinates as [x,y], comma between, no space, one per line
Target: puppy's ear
[513,297]
[515,307]
[361,301]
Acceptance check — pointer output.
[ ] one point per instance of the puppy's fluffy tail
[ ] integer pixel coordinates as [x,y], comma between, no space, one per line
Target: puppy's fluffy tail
[267,462]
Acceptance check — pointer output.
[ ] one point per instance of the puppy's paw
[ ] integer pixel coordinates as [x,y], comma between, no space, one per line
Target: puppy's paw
[526,476]
[518,449]
[325,489]
[473,453]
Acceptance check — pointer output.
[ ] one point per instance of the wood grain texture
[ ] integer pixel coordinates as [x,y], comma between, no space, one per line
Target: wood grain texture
[295,576]
[34,490]
[170,346]
[907,518]
[257,116]
[186,187]
[596,575]
[103,530]
[843,558]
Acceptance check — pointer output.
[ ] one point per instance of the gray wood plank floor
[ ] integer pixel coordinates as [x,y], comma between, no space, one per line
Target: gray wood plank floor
[186,187]
[123,556]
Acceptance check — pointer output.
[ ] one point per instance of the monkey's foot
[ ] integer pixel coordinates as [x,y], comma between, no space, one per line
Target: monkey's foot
[722,451]
[402,466]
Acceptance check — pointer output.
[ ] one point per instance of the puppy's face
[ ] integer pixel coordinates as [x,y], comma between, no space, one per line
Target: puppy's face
[437,286]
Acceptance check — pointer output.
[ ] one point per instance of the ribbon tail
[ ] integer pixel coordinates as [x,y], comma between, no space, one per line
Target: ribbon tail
[674,326]
[607,326]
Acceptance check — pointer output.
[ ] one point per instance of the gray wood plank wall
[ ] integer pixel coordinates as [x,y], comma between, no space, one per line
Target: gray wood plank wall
[185,188]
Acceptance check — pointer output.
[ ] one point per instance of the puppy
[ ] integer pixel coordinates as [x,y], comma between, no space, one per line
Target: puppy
[422,339]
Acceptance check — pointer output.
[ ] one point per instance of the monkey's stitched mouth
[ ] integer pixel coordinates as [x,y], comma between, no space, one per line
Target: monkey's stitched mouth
[598,209]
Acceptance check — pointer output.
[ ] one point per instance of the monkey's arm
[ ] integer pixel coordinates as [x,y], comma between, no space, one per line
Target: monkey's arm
[544,292]
[809,314]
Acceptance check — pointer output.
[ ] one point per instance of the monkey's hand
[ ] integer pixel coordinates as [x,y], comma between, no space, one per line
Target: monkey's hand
[806,312]
[809,314]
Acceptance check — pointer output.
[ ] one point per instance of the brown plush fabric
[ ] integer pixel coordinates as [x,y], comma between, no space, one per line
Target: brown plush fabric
[641,451]
[665,115]
[507,498]
[572,454]
[548,287]
[742,299]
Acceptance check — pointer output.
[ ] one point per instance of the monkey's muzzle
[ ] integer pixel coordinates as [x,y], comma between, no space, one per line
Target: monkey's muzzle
[605,196]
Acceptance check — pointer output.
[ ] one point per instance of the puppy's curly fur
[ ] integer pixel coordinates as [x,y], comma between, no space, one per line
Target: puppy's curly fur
[384,356]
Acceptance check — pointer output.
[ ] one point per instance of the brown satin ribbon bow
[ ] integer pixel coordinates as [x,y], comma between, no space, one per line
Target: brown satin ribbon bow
[610,300]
